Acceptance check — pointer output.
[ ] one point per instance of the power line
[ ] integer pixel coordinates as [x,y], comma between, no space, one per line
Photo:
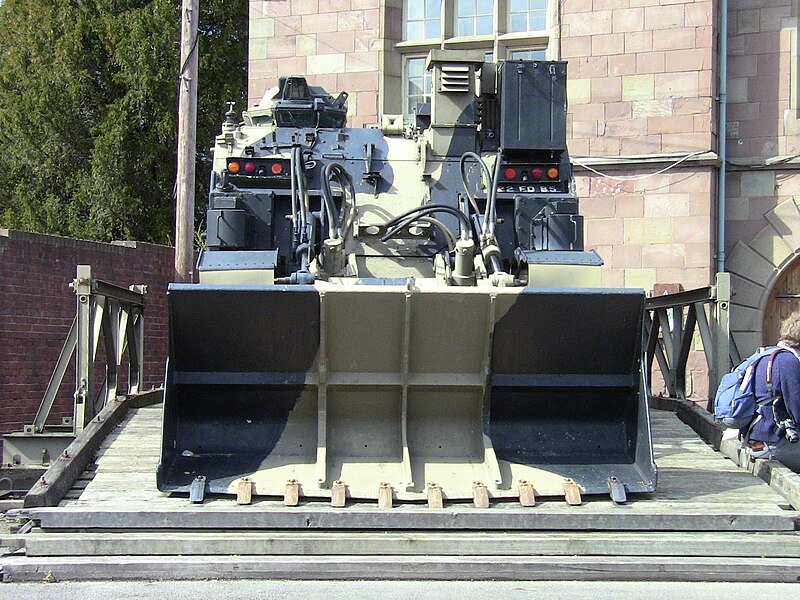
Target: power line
[638,177]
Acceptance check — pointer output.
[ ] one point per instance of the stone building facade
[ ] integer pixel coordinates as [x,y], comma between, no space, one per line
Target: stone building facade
[643,124]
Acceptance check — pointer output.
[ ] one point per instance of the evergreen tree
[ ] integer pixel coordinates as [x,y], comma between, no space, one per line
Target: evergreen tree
[88,111]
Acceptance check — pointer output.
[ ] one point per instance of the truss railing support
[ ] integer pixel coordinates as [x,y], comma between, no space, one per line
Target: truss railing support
[670,323]
[115,315]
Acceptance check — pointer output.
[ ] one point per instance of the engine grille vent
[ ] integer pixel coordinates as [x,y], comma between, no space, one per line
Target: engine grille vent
[455,79]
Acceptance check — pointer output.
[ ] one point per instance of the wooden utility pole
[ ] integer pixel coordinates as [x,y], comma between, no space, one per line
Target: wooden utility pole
[187,141]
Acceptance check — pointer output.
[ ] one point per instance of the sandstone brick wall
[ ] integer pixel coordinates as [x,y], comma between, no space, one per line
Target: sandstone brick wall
[334,43]
[658,230]
[762,80]
[751,195]
[763,121]
[641,76]
[655,230]
[37,308]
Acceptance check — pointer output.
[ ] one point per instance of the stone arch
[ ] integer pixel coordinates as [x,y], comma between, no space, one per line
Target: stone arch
[755,268]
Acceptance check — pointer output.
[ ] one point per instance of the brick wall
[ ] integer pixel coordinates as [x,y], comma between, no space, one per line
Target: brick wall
[337,49]
[652,231]
[37,308]
[751,195]
[641,76]
[763,80]
[763,112]
[655,230]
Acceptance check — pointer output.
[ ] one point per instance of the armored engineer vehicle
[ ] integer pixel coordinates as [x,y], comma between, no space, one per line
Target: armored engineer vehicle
[406,307]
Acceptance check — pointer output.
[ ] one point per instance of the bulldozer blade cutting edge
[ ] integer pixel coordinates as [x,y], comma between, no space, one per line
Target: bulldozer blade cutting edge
[373,384]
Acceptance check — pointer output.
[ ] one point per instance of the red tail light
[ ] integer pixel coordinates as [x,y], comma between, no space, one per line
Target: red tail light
[276,168]
[511,173]
[250,167]
[537,173]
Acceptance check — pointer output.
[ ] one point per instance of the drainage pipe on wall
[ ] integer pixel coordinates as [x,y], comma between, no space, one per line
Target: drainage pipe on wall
[721,133]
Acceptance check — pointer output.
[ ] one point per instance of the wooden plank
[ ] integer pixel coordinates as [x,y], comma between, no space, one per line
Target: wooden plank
[658,517]
[58,479]
[684,462]
[506,568]
[406,543]
[701,421]
[780,478]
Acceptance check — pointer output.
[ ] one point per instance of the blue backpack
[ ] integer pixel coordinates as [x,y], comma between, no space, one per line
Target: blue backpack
[735,403]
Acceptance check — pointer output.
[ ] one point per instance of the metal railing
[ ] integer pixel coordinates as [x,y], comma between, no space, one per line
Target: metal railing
[115,315]
[670,322]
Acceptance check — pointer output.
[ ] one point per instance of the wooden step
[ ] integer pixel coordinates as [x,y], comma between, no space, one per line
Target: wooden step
[592,516]
[497,568]
[189,543]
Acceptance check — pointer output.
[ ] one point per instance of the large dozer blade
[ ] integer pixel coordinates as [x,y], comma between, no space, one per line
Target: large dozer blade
[373,384]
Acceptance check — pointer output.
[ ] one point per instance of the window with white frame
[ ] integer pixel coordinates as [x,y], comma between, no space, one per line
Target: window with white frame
[531,54]
[474,17]
[423,19]
[527,15]
[417,83]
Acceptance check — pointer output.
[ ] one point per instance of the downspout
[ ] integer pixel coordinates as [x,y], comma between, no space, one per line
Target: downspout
[721,133]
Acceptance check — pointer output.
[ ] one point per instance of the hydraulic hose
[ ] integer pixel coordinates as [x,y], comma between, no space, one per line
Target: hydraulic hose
[449,238]
[495,262]
[490,216]
[486,173]
[443,207]
[402,221]
[295,203]
[302,196]
[329,206]
[303,250]
[336,218]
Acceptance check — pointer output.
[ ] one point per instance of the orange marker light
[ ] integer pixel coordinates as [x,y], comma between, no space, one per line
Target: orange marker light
[234,167]
[552,173]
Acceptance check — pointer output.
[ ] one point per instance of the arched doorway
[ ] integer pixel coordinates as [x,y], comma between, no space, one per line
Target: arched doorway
[783,300]
[764,271]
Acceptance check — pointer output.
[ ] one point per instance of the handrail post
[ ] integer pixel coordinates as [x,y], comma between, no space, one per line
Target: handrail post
[84,367]
[721,329]
[136,344]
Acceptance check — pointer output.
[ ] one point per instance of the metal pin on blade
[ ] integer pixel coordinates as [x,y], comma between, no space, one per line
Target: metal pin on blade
[244,491]
[338,494]
[197,490]
[572,492]
[291,493]
[617,490]
[526,495]
[435,496]
[480,495]
[385,495]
